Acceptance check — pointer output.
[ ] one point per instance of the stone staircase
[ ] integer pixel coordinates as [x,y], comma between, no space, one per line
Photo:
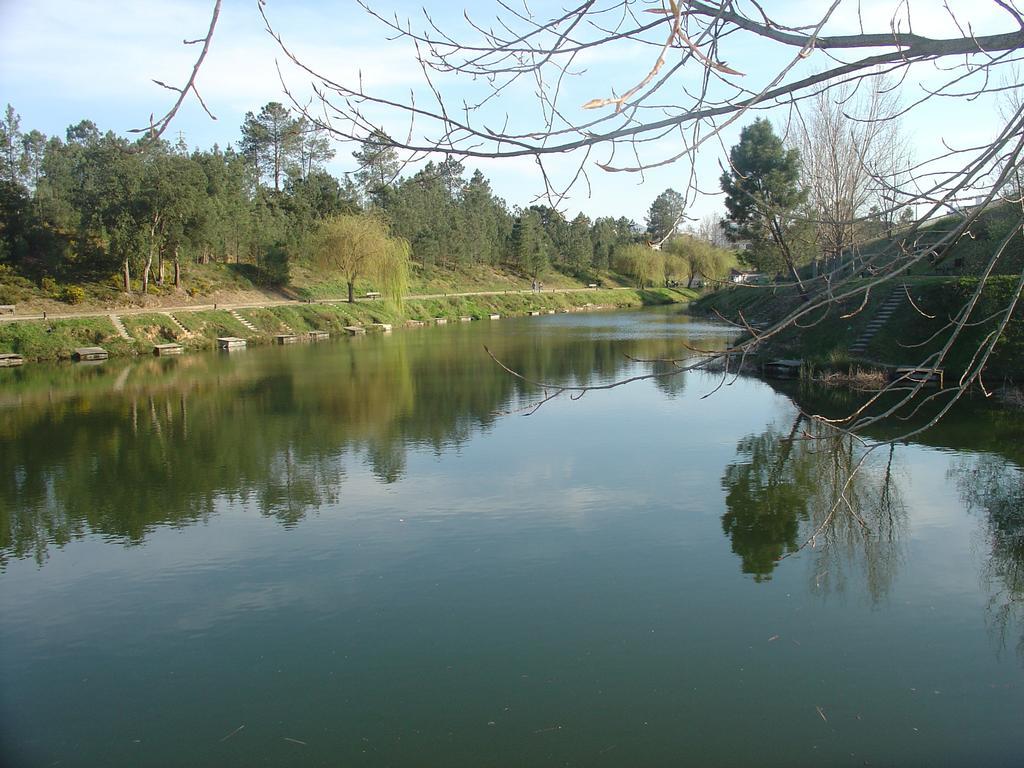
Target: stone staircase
[234,313]
[891,303]
[174,321]
[119,327]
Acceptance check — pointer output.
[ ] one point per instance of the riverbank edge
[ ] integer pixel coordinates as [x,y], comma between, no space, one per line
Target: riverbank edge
[54,339]
[910,332]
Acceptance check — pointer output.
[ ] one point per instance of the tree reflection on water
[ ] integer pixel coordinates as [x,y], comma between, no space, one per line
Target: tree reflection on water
[994,486]
[801,487]
[126,447]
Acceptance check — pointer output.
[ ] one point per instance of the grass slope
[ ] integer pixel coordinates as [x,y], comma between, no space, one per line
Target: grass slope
[908,338]
[56,339]
[241,283]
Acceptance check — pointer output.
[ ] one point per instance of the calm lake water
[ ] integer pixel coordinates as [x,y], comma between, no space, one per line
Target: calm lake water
[362,553]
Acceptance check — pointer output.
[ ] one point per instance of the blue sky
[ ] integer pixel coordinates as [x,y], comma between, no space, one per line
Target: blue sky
[65,60]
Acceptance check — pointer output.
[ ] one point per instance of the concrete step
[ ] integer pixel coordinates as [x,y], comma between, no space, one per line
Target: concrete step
[243,321]
[119,327]
[175,323]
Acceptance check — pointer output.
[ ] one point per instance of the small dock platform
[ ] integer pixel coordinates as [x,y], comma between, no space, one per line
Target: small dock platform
[382,327]
[414,323]
[782,368]
[228,343]
[89,353]
[494,317]
[465,319]
[287,338]
[10,360]
[440,321]
[355,330]
[534,313]
[932,377]
[173,348]
[318,335]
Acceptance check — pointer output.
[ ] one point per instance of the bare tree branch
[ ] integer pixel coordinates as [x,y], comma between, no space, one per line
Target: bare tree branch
[156,129]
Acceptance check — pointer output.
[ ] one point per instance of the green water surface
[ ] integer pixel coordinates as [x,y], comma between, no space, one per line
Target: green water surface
[365,553]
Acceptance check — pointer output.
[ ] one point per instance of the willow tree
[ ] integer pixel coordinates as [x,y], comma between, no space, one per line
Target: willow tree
[359,246]
[641,262]
[698,258]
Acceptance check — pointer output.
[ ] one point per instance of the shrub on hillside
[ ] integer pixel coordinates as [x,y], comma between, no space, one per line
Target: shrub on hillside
[72,294]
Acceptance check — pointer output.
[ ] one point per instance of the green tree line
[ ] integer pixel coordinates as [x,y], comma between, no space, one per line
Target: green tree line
[96,206]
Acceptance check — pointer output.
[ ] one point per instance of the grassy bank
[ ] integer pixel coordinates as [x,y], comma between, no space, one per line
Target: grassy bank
[906,339]
[38,340]
[57,339]
[242,284]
